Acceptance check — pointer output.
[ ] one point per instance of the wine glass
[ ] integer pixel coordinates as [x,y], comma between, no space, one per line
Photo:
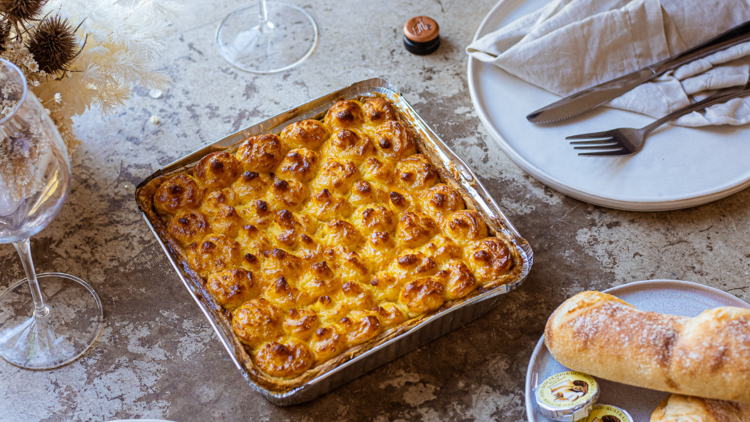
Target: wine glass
[47,325]
[284,37]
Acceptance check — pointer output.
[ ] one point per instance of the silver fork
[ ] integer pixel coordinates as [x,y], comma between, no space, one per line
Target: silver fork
[627,141]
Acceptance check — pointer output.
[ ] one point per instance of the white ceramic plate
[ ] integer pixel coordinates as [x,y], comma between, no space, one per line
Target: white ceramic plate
[664,296]
[678,168]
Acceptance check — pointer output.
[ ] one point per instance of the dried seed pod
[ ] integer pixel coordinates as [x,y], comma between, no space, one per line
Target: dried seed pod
[53,44]
[18,11]
[4,34]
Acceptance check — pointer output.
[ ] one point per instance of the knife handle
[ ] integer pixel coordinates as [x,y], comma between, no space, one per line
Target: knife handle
[720,96]
[734,36]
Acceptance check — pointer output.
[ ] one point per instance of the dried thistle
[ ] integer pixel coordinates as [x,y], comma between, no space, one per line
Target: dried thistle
[19,11]
[4,34]
[53,45]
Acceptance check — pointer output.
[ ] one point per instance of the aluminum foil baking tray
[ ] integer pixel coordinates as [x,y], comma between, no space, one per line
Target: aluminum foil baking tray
[451,169]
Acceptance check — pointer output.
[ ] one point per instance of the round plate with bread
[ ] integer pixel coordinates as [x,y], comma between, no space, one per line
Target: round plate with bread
[627,342]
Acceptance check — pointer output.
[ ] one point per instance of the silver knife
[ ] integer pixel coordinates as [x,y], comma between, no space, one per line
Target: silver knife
[593,97]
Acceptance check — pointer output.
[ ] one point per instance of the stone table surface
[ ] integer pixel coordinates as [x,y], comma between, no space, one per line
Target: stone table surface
[159,358]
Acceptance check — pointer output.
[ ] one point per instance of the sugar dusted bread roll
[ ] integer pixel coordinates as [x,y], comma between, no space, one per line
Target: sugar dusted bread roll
[706,356]
[678,408]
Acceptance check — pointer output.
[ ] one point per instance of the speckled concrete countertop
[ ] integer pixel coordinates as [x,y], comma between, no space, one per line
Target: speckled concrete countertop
[158,357]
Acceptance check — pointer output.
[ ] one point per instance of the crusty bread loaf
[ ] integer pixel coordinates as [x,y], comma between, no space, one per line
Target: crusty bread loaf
[706,356]
[678,408]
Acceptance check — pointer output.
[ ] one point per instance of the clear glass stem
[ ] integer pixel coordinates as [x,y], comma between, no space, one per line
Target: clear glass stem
[24,251]
[263,14]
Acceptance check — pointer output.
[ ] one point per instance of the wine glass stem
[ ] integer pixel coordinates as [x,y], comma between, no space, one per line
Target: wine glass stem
[263,14]
[24,251]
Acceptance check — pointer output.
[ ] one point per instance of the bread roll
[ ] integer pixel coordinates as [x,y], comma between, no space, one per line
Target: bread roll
[677,408]
[706,356]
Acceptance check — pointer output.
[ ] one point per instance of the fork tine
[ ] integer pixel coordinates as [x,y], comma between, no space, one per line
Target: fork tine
[606,133]
[597,141]
[602,147]
[622,151]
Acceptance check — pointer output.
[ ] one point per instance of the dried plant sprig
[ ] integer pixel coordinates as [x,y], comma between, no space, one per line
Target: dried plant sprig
[4,34]
[124,43]
[20,12]
[54,44]
[119,47]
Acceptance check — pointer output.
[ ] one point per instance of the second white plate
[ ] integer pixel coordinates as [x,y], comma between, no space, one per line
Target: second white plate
[664,296]
[678,168]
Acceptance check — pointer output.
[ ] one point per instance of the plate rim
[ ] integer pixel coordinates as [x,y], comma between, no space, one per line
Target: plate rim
[577,193]
[529,405]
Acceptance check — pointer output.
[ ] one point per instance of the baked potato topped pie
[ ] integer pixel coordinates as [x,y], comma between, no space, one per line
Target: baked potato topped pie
[324,239]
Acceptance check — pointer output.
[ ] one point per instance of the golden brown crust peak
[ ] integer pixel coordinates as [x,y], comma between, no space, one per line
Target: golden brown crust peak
[287,194]
[336,176]
[300,164]
[178,193]
[257,321]
[416,173]
[378,111]
[327,342]
[489,258]
[459,280]
[189,226]
[217,170]
[465,227]
[440,201]
[415,229]
[349,145]
[422,295]
[215,252]
[261,153]
[360,326]
[301,323]
[343,115]
[234,287]
[394,141]
[252,185]
[305,134]
[284,359]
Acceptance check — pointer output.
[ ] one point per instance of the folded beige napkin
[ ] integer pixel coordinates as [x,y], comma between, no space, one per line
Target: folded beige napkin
[570,45]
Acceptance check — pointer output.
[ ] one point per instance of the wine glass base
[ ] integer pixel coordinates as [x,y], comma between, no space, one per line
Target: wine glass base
[289,37]
[71,326]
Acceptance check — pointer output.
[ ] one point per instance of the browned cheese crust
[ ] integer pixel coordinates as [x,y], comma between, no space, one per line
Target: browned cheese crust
[706,356]
[334,236]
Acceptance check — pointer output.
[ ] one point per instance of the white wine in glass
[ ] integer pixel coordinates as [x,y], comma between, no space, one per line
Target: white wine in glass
[46,320]
[267,37]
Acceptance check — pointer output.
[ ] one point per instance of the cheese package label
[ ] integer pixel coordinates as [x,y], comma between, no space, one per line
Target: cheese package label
[605,413]
[568,389]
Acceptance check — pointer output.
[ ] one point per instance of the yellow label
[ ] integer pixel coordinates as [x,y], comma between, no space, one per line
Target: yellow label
[604,413]
[567,389]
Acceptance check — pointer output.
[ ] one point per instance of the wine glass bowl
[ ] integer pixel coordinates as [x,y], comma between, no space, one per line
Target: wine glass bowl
[267,37]
[24,216]
[42,326]
[34,167]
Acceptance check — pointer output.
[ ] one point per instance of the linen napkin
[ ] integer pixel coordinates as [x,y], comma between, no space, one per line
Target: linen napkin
[571,45]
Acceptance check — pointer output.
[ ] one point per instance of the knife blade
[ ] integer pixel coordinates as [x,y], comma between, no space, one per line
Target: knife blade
[590,98]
